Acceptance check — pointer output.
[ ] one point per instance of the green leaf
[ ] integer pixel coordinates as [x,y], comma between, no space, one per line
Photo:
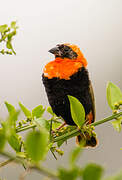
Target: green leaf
[26,111]
[75,155]
[38,111]
[13,114]
[2,51]
[9,46]
[43,123]
[55,125]
[14,141]
[13,118]
[77,111]
[49,110]
[65,174]
[114,95]
[92,171]
[10,108]
[3,28]
[13,24]
[117,124]
[11,34]
[36,145]
[10,134]
[2,139]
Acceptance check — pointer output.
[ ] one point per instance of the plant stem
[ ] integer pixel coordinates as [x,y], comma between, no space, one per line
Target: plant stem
[45,171]
[25,128]
[114,116]
[41,170]
[66,136]
[76,132]
[5,162]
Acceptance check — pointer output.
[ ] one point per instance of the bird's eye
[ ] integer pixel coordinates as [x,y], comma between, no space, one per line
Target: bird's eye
[67,48]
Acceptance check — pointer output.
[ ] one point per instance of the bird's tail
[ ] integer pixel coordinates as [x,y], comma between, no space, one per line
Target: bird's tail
[87,140]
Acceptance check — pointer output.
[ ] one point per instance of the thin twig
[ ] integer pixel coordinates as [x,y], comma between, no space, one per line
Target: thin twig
[46,172]
[5,162]
[25,128]
[53,153]
[24,174]
[50,130]
[41,170]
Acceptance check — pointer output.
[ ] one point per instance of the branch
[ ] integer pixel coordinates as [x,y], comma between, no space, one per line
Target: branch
[76,132]
[5,162]
[25,128]
[41,170]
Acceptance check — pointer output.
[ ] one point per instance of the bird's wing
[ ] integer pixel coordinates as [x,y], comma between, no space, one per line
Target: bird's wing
[93,102]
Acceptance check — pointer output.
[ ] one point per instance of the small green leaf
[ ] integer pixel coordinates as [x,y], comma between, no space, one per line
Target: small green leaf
[38,111]
[114,95]
[10,108]
[11,34]
[14,141]
[13,118]
[92,171]
[43,123]
[49,110]
[65,174]
[3,28]
[55,125]
[9,45]
[26,111]
[2,51]
[77,111]
[2,139]
[13,114]
[75,155]
[36,145]
[13,24]
[117,124]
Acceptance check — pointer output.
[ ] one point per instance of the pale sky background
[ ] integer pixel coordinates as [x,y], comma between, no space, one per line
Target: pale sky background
[96,27]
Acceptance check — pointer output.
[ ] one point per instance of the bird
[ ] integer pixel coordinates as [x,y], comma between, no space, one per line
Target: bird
[67,75]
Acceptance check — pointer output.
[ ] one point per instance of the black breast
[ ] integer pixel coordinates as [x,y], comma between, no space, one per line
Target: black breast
[58,89]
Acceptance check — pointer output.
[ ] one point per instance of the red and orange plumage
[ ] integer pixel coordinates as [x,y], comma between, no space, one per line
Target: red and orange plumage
[64,68]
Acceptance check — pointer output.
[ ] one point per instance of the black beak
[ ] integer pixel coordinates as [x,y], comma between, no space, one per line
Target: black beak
[55,51]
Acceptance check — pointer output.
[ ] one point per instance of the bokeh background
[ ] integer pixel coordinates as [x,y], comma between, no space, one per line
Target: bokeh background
[96,27]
